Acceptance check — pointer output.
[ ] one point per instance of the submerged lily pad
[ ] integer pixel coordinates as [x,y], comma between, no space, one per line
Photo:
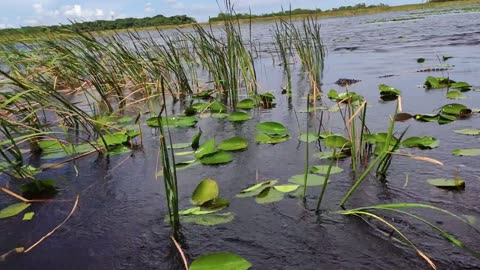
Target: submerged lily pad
[271,128]
[323,169]
[233,144]
[468,131]
[239,117]
[256,189]
[269,195]
[455,95]
[329,155]
[246,104]
[466,152]
[209,220]
[220,115]
[220,261]
[271,139]
[309,137]
[216,158]
[426,142]
[13,210]
[312,180]
[39,189]
[447,183]
[206,190]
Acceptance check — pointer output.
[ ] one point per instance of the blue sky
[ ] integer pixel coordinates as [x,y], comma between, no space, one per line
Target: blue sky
[14,13]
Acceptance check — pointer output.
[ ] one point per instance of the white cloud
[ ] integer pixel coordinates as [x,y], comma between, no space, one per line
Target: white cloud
[38,8]
[149,8]
[77,12]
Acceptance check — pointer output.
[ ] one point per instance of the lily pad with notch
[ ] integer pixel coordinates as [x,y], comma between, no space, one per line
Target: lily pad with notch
[233,144]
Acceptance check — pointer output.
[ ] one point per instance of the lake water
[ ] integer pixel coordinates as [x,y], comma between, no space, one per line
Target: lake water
[120,224]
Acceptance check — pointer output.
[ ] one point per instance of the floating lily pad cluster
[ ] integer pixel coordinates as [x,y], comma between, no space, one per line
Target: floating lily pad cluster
[176,121]
[446,114]
[267,192]
[271,133]
[206,205]
[345,97]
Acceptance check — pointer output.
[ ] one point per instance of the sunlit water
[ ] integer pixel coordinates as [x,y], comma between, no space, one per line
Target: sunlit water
[119,223]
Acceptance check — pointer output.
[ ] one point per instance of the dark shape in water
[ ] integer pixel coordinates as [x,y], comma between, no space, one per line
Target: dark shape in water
[433,69]
[386,76]
[345,82]
[403,117]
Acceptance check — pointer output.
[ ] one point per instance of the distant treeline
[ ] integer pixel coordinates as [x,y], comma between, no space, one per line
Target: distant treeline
[102,25]
[298,11]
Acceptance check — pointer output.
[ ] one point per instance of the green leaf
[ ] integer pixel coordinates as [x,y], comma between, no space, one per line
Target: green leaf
[176,121]
[269,195]
[420,60]
[286,188]
[239,117]
[206,148]
[468,131]
[453,109]
[233,144]
[462,86]
[308,137]
[332,94]
[246,104]
[216,158]
[265,138]
[209,220]
[200,106]
[336,141]
[256,189]
[220,261]
[447,183]
[206,190]
[28,216]
[217,107]
[220,115]
[426,117]
[386,90]
[39,189]
[455,95]
[216,204]
[437,82]
[312,180]
[323,169]
[13,210]
[426,142]
[271,128]
[466,152]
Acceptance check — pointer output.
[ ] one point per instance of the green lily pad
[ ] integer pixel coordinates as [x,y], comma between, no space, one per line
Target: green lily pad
[220,261]
[205,94]
[426,142]
[466,152]
[239,117]
[13,210]
[437,82]
[28,216]
[209,220]
[468,131]
[233,144]
[271,139]
[217,107]
[447,183]
[462,86]
[312,180]
[39,189]
[323,169]
[246,104]
[216,158]
[220,115]
[453,109]
[286,188]
[426,117]
[269,195]
[186,164]
[256,189]
[205,191]
[388,91]
[176,121]
[309,137]
[271,128]
[206,148]
[455,95]
[200,106]
[336,141]
[114,139]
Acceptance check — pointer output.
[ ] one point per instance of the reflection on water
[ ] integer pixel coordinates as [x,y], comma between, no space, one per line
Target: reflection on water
[119,223]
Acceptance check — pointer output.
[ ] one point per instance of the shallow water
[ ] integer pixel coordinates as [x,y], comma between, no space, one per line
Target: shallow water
[119,222]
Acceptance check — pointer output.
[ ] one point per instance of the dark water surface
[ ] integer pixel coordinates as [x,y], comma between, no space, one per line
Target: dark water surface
[119,221]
